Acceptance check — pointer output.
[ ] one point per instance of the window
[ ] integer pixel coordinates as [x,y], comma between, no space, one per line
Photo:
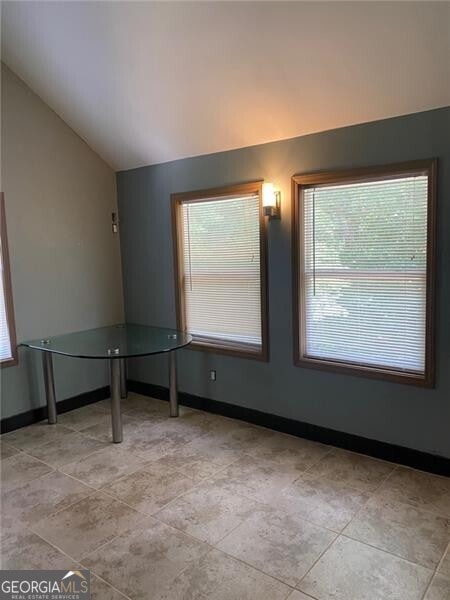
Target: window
[364,271]
[7,330]
[220,268]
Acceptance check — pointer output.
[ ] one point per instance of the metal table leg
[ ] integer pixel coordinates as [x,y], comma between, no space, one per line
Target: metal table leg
[115,400]
[173,384]
[123,378]
[49,381]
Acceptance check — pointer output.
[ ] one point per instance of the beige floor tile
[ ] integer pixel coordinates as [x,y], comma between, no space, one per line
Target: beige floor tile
[35,435]
[100,590]
[143,406]
[104,466]
[83,417]
[207,512]
[6,450]
[299,596]
[242,436]
[351,570]
[151,442]
[140,564]
[26,504]
[326,503]
[278,544]
[73,446]
[201,458]
[9,527]
[439,589]
[258,504]
[217,576]
[418,489]
[255,479]
[355,470]
[83,527]
[26,550]
[132,401]
[19,469]
[150,489]
[135,401]
[186,426]
[289,450]
[417,535]
[146,408]
[205,423]
[102,430]
[444,567]
[237,435]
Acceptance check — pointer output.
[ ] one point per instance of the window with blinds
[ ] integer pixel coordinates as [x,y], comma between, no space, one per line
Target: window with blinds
[364,272]
[5,340]
[220,269]
[7,333]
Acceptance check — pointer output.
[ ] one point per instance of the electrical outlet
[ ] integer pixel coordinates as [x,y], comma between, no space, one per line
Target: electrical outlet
[212,375]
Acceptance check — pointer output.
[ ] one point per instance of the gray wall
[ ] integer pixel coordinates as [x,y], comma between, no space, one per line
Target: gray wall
[65,263]
[396,413]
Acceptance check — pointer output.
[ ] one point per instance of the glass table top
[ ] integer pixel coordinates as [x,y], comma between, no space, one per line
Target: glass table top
[117,341]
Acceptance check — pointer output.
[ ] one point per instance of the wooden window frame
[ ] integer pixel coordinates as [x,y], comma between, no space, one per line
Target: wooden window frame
[7,288]
[302,181]
[177,199]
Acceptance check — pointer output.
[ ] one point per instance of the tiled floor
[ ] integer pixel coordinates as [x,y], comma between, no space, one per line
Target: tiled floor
[207,508]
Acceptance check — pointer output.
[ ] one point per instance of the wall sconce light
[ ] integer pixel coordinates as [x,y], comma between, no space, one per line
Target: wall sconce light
[271,200]
[114,223]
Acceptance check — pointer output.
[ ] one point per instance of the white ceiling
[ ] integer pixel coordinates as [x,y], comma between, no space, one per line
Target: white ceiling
[148,82]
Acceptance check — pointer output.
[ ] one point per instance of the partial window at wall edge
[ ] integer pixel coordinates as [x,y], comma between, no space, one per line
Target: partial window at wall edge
[364,254]
[220,269]
[8,346]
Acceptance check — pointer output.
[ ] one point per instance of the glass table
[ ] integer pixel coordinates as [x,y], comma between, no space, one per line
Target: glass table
[116,344]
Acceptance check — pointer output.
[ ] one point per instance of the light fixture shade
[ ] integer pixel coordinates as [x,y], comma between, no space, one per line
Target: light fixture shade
[271,200]
[268,195]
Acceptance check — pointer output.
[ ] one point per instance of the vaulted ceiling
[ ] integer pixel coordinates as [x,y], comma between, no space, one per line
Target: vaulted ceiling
[148,82]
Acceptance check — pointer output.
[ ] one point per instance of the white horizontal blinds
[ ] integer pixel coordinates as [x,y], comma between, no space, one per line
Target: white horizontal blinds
[365,254]
[5,343]
[221,271]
